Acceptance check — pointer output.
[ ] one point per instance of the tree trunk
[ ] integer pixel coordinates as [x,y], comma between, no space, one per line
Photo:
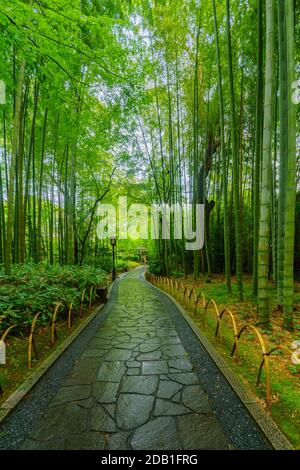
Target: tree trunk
[236,192]
[290,200]
[40,196]
[15,150]
[223,156]
[258,135]
[265,209]
[282,147]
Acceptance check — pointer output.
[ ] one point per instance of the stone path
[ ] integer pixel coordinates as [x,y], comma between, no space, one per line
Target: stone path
[133,388]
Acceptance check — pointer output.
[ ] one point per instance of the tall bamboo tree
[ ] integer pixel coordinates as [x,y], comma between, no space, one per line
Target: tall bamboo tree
[265,207]
[258,136]
[235,166]
[290,199]
[223,156]
[282,146]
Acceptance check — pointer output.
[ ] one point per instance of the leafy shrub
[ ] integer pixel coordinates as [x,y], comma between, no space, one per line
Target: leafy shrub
[33,288]
[126,264]
[132,264]
[103,261]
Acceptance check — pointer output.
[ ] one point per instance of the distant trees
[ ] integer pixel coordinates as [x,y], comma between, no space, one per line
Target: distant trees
[56,134]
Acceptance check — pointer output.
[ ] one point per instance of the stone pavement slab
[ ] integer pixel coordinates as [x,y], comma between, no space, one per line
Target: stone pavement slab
[133,388]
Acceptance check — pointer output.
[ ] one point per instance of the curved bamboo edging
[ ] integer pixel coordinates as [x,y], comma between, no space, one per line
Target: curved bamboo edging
[187,291]
[201,294]
[53,330]
[70,315]
[267,355]
[81,304]
[31,343]
[192,291]
[265,359]
[218,328]
[4,336]
[90,297]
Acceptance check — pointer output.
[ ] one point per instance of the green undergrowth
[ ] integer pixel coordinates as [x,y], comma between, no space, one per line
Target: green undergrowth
[33,288]
[285,386]
[16,370]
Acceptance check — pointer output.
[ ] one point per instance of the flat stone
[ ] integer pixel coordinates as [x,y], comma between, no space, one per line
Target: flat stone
[117,441]
[105,330]
[177,397]
[194,397]
[85,441]
[87,363]
[133,410]
[146,348]
[133,388]
[201,432]
[139,384]
[61,421]
[154,367]
[133,371]
[181,364]
[150,356]
[170,340]
[185,378]
[83,372]
[111,409]
[174,350]
[128,324]
[167,330]
[157,434]
[111,372]
[116,354]
[101,420]
[167,388]
[72,393]
[105,392]
[133,364]
[169,408]
[31,444]
[123,338]
[128,345]
[88,403]
[55,444]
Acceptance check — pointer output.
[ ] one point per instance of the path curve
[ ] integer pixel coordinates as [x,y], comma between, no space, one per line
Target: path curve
[136,378]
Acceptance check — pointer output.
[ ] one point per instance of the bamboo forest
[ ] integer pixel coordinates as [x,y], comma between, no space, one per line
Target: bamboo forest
[149,225]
